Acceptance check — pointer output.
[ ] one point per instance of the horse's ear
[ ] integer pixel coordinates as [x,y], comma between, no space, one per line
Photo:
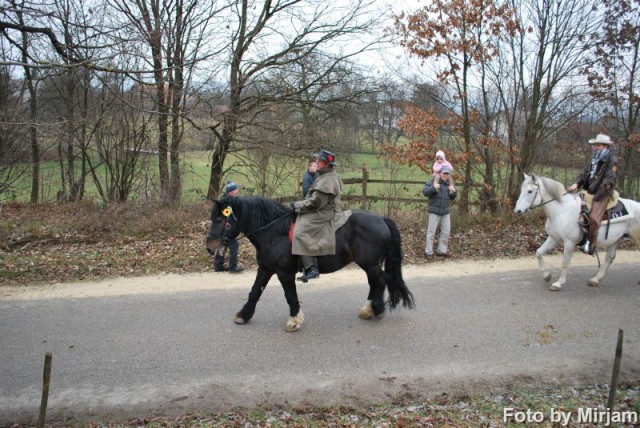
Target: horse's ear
[533,178]
[526,176]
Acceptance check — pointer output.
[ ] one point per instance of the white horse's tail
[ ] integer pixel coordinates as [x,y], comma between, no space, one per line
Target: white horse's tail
[634,232]
[634,227]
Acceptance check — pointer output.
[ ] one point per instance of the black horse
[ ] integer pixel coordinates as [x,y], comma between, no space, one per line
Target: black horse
[366,239]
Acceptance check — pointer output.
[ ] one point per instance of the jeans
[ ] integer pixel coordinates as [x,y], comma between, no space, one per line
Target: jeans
[445,231]
[233,256]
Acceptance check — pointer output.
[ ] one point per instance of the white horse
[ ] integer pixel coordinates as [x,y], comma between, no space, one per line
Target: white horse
[563,212]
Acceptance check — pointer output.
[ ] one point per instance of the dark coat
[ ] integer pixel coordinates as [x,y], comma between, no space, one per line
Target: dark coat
[314,232]
[307,181]
[439,200]
[604,180]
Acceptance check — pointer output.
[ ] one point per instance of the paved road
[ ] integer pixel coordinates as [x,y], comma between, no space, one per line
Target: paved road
[170,352]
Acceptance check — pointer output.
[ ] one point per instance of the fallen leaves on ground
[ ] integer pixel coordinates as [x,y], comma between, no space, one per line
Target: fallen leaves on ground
[60,243]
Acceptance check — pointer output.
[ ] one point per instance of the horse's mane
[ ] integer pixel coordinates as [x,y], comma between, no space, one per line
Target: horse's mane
[254,212]
[554,188]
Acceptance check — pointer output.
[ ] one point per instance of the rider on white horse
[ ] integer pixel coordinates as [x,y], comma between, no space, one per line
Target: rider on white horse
[598,179]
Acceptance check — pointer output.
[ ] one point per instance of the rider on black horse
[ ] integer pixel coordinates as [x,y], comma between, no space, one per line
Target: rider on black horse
[314,234]
[598,179]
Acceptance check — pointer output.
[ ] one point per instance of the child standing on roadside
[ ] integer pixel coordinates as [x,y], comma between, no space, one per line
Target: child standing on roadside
[441,162]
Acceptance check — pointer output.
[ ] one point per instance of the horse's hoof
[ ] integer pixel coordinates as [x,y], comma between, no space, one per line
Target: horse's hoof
[294,323]
[380,315]
[546,277]
[555,287]
[366,312]
[239,320]
[290,328]
[593,282]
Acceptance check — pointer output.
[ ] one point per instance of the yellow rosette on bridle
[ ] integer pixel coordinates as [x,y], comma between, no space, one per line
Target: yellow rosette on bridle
[227,212]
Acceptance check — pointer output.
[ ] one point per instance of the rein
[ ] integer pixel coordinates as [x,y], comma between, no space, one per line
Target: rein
[266,225]
[246,235]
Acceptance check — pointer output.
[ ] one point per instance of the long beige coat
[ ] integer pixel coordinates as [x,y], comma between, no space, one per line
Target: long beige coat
[314,232]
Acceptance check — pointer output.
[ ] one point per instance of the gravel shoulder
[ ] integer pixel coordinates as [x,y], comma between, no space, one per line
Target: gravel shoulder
[174,283]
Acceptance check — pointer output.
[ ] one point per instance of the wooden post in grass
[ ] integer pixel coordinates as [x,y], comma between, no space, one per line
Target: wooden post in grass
[616,371]
[45,389]
[365,176]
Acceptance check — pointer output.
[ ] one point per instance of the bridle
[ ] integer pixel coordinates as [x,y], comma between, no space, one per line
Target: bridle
[225,239]
[542,201]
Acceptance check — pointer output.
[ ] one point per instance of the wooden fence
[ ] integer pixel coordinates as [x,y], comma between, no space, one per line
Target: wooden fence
[364,197]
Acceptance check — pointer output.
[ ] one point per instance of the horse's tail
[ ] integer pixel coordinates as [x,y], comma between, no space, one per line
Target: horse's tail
[398,290]
[634,229]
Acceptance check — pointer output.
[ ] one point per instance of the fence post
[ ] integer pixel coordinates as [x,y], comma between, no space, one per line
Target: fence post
[46,379]
[365,176]
[616,372]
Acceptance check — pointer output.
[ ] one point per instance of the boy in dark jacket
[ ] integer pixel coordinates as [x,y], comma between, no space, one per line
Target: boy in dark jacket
[440,195]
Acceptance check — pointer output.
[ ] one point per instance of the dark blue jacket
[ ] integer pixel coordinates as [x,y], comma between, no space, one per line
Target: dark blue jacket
[439,200]
[307,181]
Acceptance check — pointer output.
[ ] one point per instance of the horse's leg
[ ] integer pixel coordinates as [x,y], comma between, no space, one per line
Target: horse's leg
[566,261]
[375,301]
[548,245]
[604,267]
[249,308]
[296,316]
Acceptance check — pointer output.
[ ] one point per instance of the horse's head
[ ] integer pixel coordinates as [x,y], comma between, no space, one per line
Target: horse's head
[224,226]
[529,193]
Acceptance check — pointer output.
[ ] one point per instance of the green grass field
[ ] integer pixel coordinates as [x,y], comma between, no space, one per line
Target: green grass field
[196,165]
[283,180]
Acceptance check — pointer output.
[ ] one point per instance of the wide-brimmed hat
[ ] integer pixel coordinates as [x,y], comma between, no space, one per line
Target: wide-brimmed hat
[601,139]
[327,156]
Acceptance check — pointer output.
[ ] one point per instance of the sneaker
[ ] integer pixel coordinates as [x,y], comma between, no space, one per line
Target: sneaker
[428,256]
[447,254]
[220,269]
[236,269]
[586,247]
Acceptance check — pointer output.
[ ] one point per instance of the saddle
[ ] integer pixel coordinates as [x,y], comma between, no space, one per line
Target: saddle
[588,200]
[615,209]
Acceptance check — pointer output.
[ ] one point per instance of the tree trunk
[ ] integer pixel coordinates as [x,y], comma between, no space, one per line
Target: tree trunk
[33,136]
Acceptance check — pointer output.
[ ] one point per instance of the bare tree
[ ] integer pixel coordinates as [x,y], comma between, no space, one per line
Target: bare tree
[459,33]
[13,151]
[175,34]
[614,76]
[122,139]
[538,76]
[267,35]
[275,140]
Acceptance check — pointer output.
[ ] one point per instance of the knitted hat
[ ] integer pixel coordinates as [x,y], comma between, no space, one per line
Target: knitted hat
[230,186]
